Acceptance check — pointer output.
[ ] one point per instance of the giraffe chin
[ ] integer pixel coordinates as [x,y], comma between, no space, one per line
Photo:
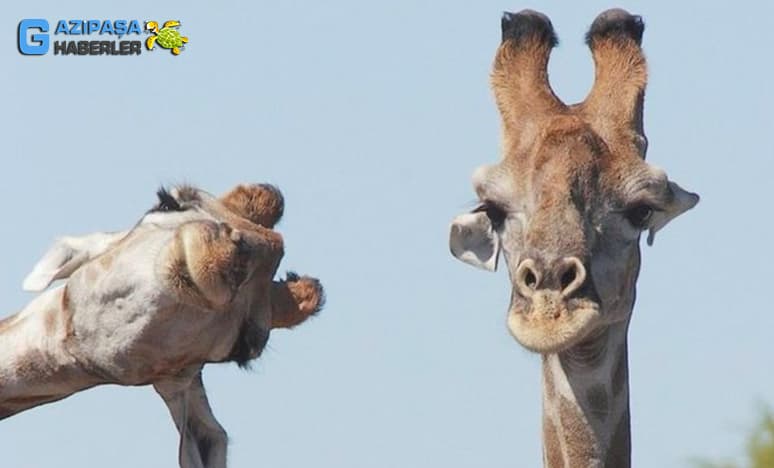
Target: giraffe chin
[548,330]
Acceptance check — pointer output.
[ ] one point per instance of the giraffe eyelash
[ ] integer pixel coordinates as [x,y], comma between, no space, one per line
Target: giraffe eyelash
[494,212]
[167,202]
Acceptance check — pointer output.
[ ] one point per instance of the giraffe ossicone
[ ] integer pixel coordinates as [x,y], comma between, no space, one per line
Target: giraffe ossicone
[565,208]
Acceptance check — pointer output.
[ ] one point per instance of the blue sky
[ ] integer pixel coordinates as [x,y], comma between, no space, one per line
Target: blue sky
[371,117]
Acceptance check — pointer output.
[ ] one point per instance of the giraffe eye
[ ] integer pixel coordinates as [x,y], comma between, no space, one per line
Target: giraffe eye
[494,212]
[167,202]
[639,216]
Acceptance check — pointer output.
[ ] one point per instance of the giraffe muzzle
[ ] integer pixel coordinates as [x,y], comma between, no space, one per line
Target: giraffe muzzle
[552,307]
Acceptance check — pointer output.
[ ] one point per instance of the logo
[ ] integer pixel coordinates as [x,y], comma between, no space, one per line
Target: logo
[105,37]
[167,37]
[36,44]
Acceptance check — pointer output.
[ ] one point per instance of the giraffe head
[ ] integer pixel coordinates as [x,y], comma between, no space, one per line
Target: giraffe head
[190,253]
[568,202]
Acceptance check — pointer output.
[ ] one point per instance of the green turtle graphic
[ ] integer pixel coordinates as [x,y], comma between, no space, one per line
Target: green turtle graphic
[167,37]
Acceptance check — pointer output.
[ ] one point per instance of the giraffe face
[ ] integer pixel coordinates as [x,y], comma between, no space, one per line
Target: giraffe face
[567,220]
[568,203]
[211,251]
[193,266]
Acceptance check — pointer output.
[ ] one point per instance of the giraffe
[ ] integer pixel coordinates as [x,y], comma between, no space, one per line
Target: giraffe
[191,283]
[566,207]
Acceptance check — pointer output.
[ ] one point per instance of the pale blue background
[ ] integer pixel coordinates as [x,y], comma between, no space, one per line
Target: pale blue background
[371,117]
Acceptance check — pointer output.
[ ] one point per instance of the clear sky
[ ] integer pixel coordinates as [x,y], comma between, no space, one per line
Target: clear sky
[371,117]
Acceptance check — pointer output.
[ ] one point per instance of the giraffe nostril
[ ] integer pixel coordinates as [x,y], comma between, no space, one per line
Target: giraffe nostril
[527,278]
[530,280]
[573,277]
[568,277]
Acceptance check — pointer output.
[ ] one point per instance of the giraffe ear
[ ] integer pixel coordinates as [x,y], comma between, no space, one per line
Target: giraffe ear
[680,202]
[474,241]
[67,255]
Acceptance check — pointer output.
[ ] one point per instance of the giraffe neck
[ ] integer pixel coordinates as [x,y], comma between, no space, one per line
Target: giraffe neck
[586,403]
[34,366]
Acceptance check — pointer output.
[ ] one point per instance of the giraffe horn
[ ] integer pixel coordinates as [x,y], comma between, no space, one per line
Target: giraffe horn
[614,105]
[520,76]
[262,204]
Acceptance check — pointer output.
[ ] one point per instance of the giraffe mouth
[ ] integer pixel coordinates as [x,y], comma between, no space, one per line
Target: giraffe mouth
[547,324]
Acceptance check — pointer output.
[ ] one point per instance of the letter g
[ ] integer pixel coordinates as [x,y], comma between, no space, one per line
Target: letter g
[38,43]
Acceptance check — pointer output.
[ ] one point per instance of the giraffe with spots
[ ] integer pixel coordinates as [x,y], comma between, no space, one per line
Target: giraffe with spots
[191,283]
[565,208]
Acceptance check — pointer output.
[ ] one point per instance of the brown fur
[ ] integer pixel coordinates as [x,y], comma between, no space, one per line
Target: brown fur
[208,264]
[180,281]
[261,204]
[548,382]
[218,269]
[579,440]
[520,77]
[552,448]
[531,112]
[614,105]
[295,300]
